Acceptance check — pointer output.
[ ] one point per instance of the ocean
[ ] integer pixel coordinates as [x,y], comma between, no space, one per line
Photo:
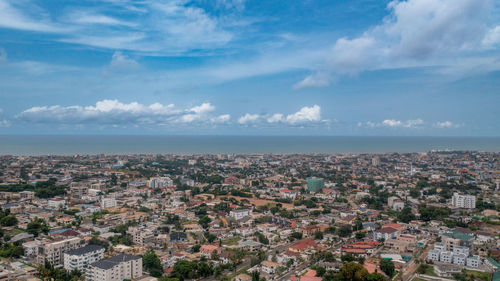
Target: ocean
[114,145]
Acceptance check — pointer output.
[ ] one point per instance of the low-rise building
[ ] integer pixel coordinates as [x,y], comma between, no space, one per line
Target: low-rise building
[81,258]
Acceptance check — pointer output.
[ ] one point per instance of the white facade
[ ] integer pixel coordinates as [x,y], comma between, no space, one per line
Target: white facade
[239,214]
[56,204]
[463,201]
[433,255]
[108,203]
[459,259]
[473,261]
[81,258]
[461,250]
[446,256]
[160,182]
[117,268]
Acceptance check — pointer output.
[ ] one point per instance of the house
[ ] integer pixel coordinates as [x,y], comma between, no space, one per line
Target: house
[178,237]
[209,250]
[269,267]
[385,233]
[243,277]
[303,246]
[239,214]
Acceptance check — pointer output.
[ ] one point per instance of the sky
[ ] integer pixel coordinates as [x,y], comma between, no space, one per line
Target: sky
[250,67]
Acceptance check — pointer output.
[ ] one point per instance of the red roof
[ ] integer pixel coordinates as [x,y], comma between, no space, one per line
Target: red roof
[306,243]
[354,250]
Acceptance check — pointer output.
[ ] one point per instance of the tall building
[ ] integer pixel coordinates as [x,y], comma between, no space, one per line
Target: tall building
[315,184]
[463,201]
[108,203]
[81,258]
[117,268]
[53,251]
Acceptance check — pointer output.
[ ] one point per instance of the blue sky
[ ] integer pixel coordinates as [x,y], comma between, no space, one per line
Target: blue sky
[305,67]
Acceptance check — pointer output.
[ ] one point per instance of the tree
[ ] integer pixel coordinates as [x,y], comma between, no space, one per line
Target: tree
[320,271]
[344,231]
[406,215]
[318,235]
[8,221]
[353,271]
[152,263]
[296,235]
[360,235]
[347,258]
[204,221]
[387,266]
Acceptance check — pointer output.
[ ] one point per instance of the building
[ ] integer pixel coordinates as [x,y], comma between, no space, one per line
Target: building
[81,258]
[160,182]
[446,256]
[140,236]
[315,184]
[269,267]
[473,261]
[56,204]
[26,195]
[463,201]
[433,255]
[53,251]
[385,233]
[108,203]
[117,268]
[209,250]
[239,214]
[398,205]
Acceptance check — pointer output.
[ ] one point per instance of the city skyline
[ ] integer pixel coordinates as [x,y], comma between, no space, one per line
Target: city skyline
[236,67]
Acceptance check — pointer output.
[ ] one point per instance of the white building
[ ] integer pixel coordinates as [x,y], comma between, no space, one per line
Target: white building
[160,182]
[398,205]
[446,256]
[108,203]
[433,255]
[473,261]
[81,258]
[385,233]
[463,201]
[239,214]
[459,259]
[461,250]
[117,268]
[56,204]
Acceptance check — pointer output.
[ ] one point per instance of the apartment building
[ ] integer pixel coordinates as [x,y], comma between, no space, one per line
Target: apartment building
[117,268]
[140,235]
[81,258]
[108,203]
[463,201]
[53,251]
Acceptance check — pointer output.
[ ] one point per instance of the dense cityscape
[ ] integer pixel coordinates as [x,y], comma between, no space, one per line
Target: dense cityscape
[342,217]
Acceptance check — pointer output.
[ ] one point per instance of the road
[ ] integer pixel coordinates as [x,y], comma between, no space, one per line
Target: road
[412,266]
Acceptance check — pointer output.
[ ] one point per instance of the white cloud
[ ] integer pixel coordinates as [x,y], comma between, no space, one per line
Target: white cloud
[198,113]
[446,124]
[492,38]
[14,18]
[315,80]
[122,62]
[3,122]
[305,115]
[393,123]
[415,33]
[167,27]
[275,118]
[82,17]
[114,112]
[248,118]
[221,118]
